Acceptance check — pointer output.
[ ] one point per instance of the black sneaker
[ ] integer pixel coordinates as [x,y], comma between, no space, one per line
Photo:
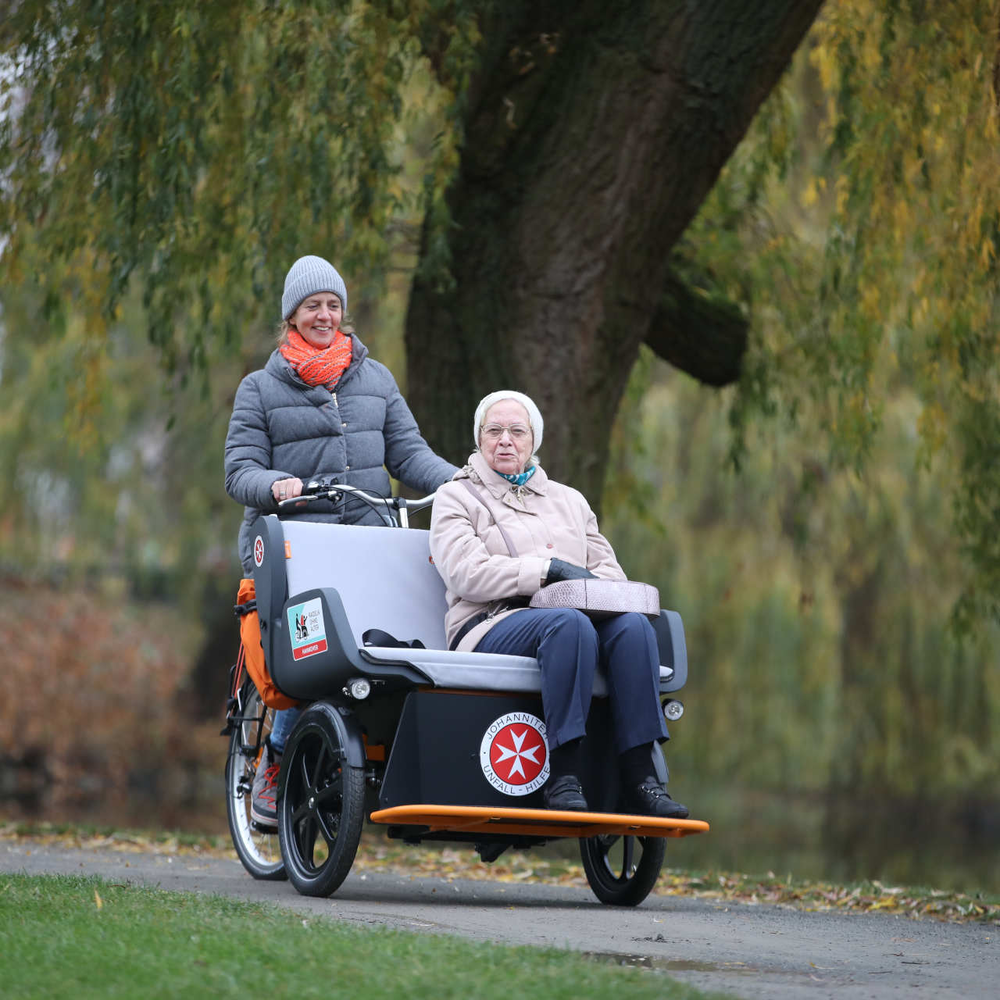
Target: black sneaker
[565,792]
[649,798]
[263,801]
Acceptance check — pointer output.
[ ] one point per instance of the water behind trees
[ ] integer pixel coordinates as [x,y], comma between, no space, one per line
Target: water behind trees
[845,838]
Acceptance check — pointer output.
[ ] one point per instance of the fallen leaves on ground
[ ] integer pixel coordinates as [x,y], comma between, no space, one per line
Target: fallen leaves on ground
[450,862]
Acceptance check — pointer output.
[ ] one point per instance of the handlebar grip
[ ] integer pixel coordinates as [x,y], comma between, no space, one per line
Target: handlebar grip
[320,492]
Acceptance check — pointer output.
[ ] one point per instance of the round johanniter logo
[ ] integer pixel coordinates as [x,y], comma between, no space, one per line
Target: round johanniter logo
[258,550]
[514,755]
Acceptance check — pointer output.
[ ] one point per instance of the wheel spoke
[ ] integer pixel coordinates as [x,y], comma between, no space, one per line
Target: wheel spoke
[606,844]
[628,857]
[320,766]
[329,826]
[333,791]
[305,836]
[304,781]
[301,812]
[620,871]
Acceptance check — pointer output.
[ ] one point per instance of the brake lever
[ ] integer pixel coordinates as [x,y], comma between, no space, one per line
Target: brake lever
[331,494]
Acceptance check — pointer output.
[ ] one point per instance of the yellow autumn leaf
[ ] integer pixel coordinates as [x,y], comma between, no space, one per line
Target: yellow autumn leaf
[885,904]
[98,902]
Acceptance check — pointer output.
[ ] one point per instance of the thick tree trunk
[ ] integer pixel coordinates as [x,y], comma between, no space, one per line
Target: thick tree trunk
[593,134]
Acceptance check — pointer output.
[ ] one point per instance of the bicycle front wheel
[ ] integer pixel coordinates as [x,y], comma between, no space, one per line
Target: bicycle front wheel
[258,849]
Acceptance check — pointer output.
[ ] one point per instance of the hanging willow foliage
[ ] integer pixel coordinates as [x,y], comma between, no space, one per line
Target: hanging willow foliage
[166,140]
[862,227]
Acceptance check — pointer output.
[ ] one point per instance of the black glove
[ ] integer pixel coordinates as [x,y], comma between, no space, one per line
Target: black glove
[560,570]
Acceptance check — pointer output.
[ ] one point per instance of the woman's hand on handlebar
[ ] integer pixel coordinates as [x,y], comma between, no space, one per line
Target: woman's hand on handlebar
[286,489]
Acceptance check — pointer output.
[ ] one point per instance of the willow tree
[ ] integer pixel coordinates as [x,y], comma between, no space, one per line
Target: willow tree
[200,147]
[876,269]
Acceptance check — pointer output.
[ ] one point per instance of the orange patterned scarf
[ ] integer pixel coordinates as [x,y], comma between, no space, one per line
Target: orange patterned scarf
[317,367]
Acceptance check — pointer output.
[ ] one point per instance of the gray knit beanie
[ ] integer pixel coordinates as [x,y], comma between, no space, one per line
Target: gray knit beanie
[307,276]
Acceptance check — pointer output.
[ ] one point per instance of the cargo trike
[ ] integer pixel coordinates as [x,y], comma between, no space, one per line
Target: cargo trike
[427,743]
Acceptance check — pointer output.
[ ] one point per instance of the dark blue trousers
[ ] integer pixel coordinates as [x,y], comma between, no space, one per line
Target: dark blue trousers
[569,647]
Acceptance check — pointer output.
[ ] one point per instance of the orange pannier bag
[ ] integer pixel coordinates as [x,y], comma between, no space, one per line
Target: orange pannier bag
[253,651]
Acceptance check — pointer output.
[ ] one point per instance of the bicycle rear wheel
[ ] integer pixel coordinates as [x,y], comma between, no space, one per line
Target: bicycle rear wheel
[258,850]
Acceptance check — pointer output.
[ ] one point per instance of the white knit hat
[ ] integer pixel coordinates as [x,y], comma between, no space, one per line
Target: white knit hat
[307,276]
[534,415]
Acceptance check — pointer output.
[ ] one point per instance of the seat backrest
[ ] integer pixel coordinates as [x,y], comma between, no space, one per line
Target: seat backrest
[384,576]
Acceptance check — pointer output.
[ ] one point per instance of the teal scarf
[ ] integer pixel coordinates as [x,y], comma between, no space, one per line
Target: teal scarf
[519,478]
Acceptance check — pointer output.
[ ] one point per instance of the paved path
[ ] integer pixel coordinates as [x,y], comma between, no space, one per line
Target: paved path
[748,951]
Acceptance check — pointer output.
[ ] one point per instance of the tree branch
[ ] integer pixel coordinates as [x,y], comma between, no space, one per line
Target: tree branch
[701,334]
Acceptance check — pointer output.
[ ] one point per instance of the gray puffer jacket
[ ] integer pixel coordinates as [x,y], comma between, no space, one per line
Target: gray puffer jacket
[282,427]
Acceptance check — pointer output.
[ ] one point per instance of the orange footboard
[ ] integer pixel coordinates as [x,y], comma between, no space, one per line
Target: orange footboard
[535,822]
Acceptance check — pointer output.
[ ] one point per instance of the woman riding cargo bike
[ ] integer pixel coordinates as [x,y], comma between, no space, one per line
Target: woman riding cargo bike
[320,409]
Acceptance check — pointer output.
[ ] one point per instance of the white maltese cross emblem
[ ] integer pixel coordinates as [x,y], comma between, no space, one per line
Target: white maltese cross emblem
[514,755]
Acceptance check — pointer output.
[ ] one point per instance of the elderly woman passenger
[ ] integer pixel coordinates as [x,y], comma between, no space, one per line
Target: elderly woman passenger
[500,530]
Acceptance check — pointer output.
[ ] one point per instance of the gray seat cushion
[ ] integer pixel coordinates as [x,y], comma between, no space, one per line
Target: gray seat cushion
[386,580]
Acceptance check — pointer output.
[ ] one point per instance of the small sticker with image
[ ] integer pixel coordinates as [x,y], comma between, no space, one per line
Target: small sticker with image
[307,629]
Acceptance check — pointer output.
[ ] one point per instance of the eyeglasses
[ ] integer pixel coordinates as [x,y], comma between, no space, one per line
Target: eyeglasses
[493,432]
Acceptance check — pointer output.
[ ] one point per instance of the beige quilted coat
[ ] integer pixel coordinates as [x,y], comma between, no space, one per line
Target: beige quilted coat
[543,519]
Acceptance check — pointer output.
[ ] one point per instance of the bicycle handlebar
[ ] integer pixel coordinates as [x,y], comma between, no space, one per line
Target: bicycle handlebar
[393,509]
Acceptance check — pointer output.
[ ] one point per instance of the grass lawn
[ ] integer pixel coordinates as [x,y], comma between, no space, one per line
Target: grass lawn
[76,937]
